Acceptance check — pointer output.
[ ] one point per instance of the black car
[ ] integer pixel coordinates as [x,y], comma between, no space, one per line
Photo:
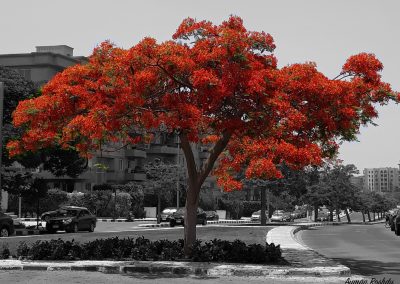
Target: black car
[6,225]
[212,216]
[72,219]
[179,217]
[396,222]
[391,217]
[49,214]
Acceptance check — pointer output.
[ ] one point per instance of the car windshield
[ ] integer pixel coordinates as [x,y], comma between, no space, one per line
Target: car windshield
[168,210]
[257,213]
[68,213]
[278,214]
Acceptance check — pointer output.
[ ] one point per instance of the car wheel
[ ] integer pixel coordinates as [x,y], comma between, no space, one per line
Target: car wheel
[4,232]
[172,223]
[46,218]
[75,228]
[49,229]
[91,228]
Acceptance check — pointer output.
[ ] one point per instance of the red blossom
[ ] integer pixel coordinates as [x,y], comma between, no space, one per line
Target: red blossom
[209,81]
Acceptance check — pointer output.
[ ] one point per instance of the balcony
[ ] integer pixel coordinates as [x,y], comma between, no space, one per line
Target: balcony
[135,176]
[162,150]
[135,153]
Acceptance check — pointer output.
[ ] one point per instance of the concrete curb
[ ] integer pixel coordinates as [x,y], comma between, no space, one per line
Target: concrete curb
[25,232]
[104,220]
[168,267]
[166,224]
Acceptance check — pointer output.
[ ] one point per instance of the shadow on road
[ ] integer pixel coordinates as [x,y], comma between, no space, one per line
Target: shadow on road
[370,267]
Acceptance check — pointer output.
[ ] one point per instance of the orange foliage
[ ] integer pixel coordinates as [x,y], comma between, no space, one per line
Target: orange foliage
[208,80]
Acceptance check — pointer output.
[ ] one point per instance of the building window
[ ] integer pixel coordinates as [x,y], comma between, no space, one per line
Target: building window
[120,164]
[26,73]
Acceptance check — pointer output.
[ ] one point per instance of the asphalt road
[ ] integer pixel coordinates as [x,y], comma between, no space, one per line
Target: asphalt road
[369,250]
[249,234]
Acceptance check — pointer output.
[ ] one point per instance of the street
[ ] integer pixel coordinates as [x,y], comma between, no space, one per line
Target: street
[368,250]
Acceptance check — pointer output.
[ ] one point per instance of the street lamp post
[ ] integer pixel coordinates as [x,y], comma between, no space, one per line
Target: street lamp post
[177,178]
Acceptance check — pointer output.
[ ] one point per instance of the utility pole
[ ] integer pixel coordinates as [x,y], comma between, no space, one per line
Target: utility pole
[177,178]
[267,204]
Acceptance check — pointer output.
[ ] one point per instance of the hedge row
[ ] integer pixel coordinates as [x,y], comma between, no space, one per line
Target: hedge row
[144,249]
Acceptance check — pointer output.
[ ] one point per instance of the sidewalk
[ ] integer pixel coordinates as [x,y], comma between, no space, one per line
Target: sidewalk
[301,256]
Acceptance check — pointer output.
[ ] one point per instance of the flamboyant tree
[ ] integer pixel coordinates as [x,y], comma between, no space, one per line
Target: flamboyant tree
[215,84]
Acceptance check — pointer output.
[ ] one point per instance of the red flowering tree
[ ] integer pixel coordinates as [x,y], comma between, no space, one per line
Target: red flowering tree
[215,84]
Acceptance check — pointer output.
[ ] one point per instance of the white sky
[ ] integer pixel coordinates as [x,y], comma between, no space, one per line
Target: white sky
[326,32]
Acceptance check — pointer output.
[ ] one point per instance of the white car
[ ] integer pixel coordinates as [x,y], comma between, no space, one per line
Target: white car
[281,217]
[166,213]
[256,216]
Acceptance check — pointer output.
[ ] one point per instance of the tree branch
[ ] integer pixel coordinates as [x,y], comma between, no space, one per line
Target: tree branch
[190,162]
[188,85]
[214,154]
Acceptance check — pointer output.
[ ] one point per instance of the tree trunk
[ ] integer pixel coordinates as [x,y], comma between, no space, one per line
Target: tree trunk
[369,216]
[347,215]
[192,202]
[331,215]
[37,214]
[315,213]
[196,178]
[363,215]
[263,207]
[337,215]
[159,206]
[374,216]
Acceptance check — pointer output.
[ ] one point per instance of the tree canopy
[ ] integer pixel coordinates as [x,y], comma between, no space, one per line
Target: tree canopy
[211,83]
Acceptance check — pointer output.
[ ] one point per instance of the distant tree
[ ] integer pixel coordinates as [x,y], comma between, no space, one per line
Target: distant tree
[16,89]
[162,181]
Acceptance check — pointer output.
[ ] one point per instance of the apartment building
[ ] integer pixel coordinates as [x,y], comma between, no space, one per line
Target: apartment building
[119,163]
[40,66]
[381,179]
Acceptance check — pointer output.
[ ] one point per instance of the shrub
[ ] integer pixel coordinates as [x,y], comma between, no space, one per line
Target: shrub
[54,199]
[144,249]
[22,250]
[233,207]
[249,207]
[5,253]
[104,186]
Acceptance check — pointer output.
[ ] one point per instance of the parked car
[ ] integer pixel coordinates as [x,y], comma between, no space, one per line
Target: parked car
[391,216]
[323,215]
[396,222]
[72,219]
[179,217]
[281,216]
[296,214]
[6,225]
[49,214]
[212,215]
[256,216]
[166,213]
